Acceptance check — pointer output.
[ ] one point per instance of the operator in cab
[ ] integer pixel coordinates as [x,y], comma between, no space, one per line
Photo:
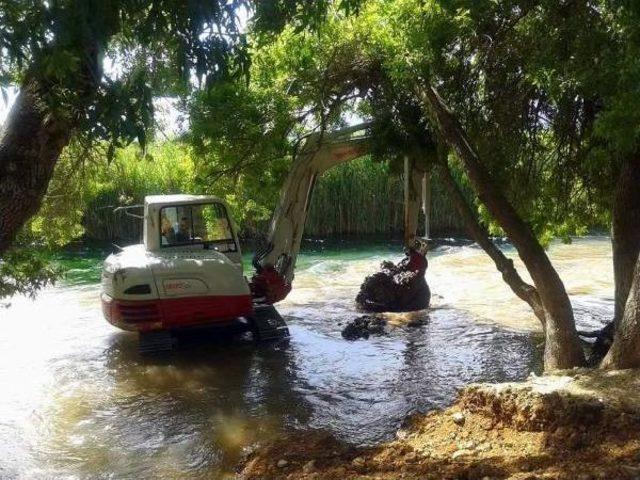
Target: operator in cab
[168,234]
[183,235]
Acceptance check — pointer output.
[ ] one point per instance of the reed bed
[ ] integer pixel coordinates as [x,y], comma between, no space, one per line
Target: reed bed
[363,198]
[357,199]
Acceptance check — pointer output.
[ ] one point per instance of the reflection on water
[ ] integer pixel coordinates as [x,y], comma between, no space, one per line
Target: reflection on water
[78,401]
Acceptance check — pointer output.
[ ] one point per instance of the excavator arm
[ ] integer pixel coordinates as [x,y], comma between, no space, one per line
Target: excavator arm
[275,263]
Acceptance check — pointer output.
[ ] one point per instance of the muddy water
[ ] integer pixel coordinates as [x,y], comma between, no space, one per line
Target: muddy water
[77,401]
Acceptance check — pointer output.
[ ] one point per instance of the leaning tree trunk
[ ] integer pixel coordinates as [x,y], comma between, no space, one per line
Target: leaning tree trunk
[30,145]
[625,350]
[562,345]
[505,266]
[34,135]
[625,229]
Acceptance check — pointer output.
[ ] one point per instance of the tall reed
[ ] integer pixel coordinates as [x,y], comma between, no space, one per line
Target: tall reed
[359,198]
[363,198]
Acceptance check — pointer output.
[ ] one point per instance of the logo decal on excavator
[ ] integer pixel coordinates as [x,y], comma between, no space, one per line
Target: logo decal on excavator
[176,287]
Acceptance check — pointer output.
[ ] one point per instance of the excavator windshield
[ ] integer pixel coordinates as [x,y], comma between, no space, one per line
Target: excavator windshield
[197,224]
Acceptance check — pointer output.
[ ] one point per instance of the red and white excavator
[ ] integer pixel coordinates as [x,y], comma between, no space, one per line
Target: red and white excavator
[188,271]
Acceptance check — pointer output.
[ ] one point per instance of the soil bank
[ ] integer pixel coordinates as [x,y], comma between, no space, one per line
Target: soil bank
[577,424]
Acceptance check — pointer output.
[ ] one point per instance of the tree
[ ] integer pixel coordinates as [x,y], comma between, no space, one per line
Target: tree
[573,137]
[625,351]
[530,119]
[562,345]
[391,102]
[547,141]
[55,51]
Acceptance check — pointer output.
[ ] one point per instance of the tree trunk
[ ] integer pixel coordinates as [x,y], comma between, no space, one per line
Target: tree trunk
[30,145]
[625,350]
[625,243]
[505,266]
[412,200]
[562,346]
[625,238]
[34,135]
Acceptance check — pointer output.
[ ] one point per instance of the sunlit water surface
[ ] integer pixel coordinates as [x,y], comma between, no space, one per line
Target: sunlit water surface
[77,401]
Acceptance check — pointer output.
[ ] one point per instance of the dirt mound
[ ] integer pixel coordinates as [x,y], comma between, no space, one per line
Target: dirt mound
[396,287]
[546,428]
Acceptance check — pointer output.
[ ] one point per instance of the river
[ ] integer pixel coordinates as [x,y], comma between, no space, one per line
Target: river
[77,401]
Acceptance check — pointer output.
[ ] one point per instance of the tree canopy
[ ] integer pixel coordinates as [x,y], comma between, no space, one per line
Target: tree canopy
[547,120]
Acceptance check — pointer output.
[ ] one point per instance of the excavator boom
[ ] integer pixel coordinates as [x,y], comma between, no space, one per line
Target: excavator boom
[275,262]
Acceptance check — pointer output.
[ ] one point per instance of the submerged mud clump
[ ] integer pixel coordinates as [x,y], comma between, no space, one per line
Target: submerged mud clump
[364,326]
[395,288]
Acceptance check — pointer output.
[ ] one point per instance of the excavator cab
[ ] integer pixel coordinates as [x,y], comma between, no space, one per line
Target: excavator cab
[175,223]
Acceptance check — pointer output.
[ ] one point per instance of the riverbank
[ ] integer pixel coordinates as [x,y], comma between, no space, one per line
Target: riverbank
[571,425]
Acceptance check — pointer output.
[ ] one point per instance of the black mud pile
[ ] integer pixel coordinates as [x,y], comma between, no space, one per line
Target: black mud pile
[395,288]
[364,326]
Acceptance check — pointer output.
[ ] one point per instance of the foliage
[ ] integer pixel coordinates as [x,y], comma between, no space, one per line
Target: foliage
[543,118]
[155,47]
[351,199]
[103,61]
[25,270]
[85,190]
[364,197]
[553,115]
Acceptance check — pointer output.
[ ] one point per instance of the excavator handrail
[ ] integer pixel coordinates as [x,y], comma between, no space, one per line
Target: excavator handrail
[329,137]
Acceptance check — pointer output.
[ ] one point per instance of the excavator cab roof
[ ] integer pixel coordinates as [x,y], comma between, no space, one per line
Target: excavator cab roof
[179,199]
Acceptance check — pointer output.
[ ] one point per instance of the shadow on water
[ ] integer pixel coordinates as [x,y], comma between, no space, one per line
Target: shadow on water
[201,406]
[193,414]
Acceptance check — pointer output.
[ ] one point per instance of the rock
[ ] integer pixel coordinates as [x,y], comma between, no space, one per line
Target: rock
[364,326]
[358,462]
[309,467]
[484,447]
[458,418]
[282,463]
[540,404]
[461,453]
[396,288]
[467,445]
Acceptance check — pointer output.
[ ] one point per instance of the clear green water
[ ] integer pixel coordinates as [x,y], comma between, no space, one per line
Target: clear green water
[82,266]
[78,401]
